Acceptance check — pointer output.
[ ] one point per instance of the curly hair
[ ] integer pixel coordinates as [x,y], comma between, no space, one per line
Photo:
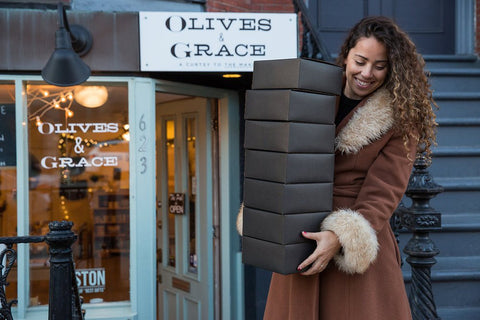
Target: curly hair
[406,80]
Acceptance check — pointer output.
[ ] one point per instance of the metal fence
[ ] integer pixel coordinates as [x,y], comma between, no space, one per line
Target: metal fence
[64,300]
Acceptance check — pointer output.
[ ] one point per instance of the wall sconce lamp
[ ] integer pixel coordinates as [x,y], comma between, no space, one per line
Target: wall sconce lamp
[65,68]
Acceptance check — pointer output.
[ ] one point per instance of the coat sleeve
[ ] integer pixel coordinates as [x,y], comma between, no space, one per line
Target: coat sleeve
[379,196]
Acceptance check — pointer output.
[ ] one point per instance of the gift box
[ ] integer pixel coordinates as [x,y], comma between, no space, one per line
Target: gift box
[290,105]
[280,228]
[289,167]
[280,258]
[293,137]
[299,73]
[287,198]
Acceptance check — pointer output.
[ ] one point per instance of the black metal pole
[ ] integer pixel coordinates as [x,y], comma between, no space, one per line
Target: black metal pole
[421,218]
[60,239]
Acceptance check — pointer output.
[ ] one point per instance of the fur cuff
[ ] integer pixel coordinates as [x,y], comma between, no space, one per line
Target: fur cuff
[357,237]
[240,220]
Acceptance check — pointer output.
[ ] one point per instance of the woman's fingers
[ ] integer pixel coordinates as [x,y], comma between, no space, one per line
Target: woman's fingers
[316,253]
[309,261]
[327,246]
[316,267]
[311,235]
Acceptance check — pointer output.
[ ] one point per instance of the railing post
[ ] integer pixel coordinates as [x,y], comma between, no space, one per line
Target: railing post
[60,239]
[8,257]
[421,218]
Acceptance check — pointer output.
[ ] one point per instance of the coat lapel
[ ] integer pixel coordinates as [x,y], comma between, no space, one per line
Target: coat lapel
[368,122]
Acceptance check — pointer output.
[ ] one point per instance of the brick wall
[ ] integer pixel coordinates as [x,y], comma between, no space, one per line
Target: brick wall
[250,5]
[274,6]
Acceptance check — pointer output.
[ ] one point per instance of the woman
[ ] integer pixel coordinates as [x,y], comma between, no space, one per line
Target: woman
[384,117]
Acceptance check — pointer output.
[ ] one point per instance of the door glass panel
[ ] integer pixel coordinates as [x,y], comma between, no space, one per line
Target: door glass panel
[170,150]
[191,135]
[78,141]
[8,175]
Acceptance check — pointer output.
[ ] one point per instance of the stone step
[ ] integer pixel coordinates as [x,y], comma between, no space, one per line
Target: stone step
[452,313]
[458,132]
[455,281]
[460,195]
[455,79]
[452,61]
[462,229]
[455,162]
[457,104]
[456,166]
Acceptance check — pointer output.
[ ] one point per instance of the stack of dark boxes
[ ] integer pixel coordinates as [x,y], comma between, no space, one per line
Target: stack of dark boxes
[289,159]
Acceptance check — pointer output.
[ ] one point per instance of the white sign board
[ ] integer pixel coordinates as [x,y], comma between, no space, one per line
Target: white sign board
[214,41]
[90,280]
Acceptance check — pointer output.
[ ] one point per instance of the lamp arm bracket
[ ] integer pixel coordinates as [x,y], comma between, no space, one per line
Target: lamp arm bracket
[82,39]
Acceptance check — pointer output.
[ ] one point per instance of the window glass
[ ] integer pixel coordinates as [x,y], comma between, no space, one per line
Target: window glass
[170,149]
[78,140]
[8,175]
[191,136]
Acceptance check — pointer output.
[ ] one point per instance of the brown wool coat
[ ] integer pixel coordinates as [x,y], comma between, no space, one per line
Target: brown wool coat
[365,281]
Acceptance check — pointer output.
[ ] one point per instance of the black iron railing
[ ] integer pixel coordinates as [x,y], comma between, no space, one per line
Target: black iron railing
[64,300]
[420,218]
[312,44]
[9,257]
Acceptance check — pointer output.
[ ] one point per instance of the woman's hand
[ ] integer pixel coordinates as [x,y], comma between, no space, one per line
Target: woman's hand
[327,246]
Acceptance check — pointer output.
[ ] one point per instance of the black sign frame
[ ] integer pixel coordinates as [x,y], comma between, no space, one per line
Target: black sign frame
[176,203]
[8,144]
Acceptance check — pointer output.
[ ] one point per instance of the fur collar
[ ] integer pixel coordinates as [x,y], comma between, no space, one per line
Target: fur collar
[368,123]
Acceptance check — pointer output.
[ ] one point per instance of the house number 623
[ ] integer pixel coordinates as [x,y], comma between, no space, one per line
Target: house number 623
[142,126]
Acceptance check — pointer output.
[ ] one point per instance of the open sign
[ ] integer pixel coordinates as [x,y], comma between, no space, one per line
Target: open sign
[176,203]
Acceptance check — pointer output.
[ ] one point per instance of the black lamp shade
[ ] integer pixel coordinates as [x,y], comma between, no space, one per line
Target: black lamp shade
[65,68]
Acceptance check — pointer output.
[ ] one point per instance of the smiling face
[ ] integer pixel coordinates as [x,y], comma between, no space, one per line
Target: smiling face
[366,68]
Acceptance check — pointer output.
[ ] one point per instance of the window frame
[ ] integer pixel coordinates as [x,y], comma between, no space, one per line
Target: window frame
[141,108]
[117,310]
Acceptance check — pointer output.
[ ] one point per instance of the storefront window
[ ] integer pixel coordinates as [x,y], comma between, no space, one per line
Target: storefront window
[8,174]
[78,140]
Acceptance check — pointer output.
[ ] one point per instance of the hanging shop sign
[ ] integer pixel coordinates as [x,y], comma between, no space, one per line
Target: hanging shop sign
[214,41]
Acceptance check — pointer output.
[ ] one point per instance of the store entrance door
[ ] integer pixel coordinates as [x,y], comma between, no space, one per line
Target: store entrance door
[184,214]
